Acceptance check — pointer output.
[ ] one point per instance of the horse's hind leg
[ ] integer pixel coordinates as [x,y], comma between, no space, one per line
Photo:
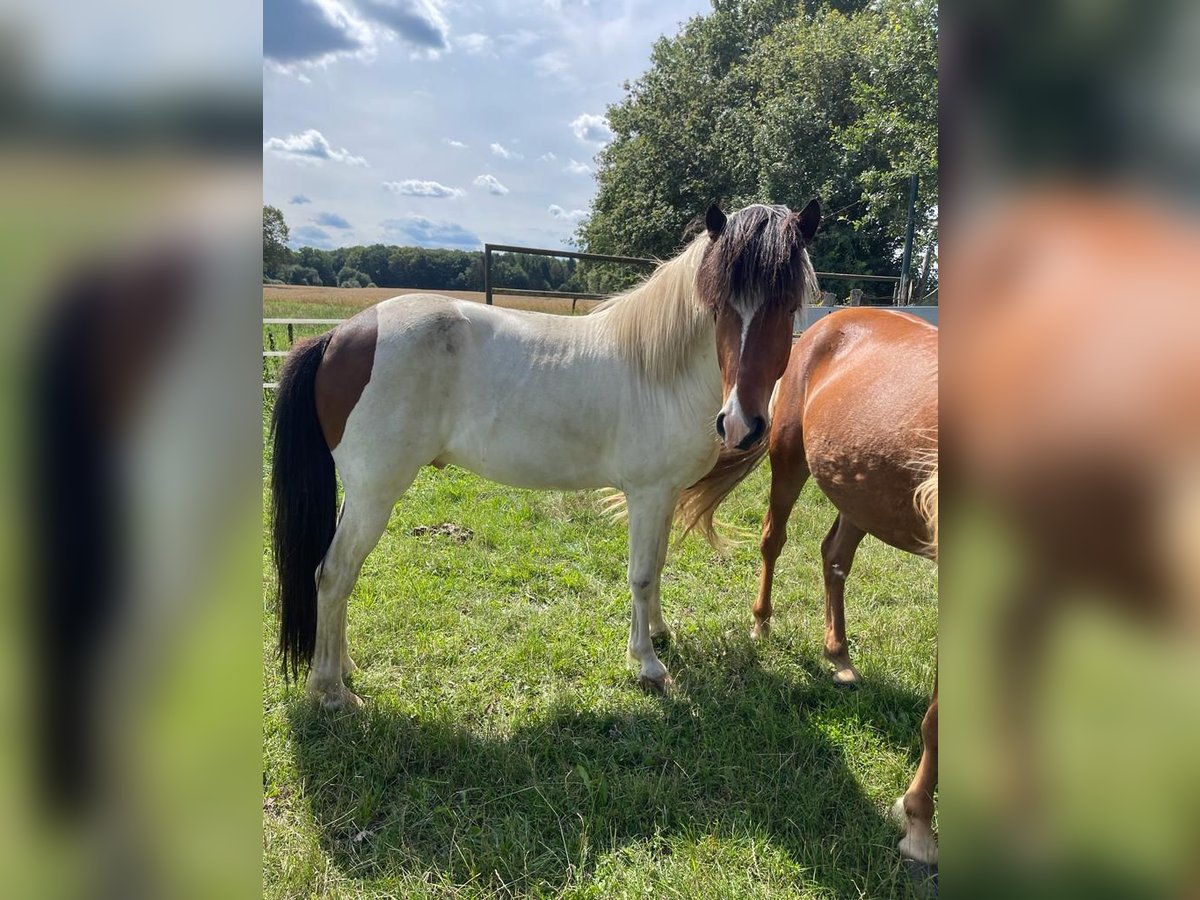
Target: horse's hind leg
[364,518]
[914,811]
[837,556]
[788,476]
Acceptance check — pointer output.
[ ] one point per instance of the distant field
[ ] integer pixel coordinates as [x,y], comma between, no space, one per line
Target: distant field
[326,303]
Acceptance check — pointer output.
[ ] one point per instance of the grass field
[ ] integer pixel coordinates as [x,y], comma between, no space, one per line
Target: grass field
[505,749]
[323,302]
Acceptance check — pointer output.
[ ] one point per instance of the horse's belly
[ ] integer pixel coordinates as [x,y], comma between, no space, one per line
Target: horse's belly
[876,495]
[530,471]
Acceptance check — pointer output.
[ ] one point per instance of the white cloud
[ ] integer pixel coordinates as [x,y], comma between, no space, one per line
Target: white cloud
[312,32]
[501,151]
[591,129]
[573,215]
[474,43]
[310,146]
[547,157]
[414,187]
[493,186]
[577,168]
[425,232]
[516,42]
[419,23]
[317,32]
[311,236]
[552,64]
[332,220]
[457,145]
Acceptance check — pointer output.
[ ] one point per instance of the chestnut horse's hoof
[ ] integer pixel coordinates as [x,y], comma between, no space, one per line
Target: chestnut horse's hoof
[918,844]
[843,670]
[846,674]
[761,630]
[660,685]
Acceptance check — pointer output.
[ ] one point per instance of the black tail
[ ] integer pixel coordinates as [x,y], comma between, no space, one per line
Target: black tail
[303,503]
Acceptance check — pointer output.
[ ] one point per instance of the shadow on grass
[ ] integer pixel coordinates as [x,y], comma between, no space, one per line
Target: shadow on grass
[734,751]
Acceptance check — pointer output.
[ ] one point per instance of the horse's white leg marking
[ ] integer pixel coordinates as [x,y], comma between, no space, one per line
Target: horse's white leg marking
[362,524]
[650,514]
[918,842]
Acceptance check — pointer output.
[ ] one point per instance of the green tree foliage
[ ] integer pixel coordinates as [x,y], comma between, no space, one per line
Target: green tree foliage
[419,267]
[275,235]
[777,101]
[294,273]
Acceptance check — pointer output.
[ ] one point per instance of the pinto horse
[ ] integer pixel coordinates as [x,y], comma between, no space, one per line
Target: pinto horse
[857,410]
[638,396]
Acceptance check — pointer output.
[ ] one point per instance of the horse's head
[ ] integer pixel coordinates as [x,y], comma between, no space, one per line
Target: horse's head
[753,277]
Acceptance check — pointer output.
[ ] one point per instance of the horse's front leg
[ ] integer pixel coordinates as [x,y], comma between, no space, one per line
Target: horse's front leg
[658,625]
[650,516]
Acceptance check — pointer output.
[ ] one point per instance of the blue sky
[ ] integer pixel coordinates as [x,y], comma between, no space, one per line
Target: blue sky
[445,123]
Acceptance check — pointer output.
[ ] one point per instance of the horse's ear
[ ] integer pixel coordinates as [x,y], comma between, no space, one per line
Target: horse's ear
[809,219]
[714,221]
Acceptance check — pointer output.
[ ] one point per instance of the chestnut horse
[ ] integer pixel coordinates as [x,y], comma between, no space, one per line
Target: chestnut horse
[857,410]
[634,396]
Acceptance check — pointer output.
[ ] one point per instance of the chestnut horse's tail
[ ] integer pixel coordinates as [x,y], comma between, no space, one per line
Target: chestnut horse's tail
[303,502]
[698,504]
[925,498]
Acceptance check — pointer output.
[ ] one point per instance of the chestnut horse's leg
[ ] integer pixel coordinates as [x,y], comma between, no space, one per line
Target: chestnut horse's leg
[914,810]
[837,556]
[789,472]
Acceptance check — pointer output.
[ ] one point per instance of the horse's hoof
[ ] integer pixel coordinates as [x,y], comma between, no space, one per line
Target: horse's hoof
[846,674]
[761,630]
[918,846]
[662,636]
[344,700]
[660,685]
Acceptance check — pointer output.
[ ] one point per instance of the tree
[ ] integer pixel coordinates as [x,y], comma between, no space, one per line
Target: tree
[775,101]
[275,250]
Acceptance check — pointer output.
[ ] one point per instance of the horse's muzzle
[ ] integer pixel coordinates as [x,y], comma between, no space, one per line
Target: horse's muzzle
[736,438]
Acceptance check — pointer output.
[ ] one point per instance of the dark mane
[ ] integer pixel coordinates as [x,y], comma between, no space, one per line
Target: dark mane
[759,258]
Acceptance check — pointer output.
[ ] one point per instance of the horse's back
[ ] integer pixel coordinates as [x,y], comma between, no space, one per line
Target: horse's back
[861,396]
[528,399]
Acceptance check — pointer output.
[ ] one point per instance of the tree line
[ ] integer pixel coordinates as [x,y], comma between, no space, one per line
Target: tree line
[383,265]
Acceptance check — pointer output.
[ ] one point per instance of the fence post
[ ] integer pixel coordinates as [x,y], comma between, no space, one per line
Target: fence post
[902,290]
[487,273]
[291,335]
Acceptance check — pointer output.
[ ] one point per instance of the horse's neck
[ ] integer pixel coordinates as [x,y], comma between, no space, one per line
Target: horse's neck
[659,328]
